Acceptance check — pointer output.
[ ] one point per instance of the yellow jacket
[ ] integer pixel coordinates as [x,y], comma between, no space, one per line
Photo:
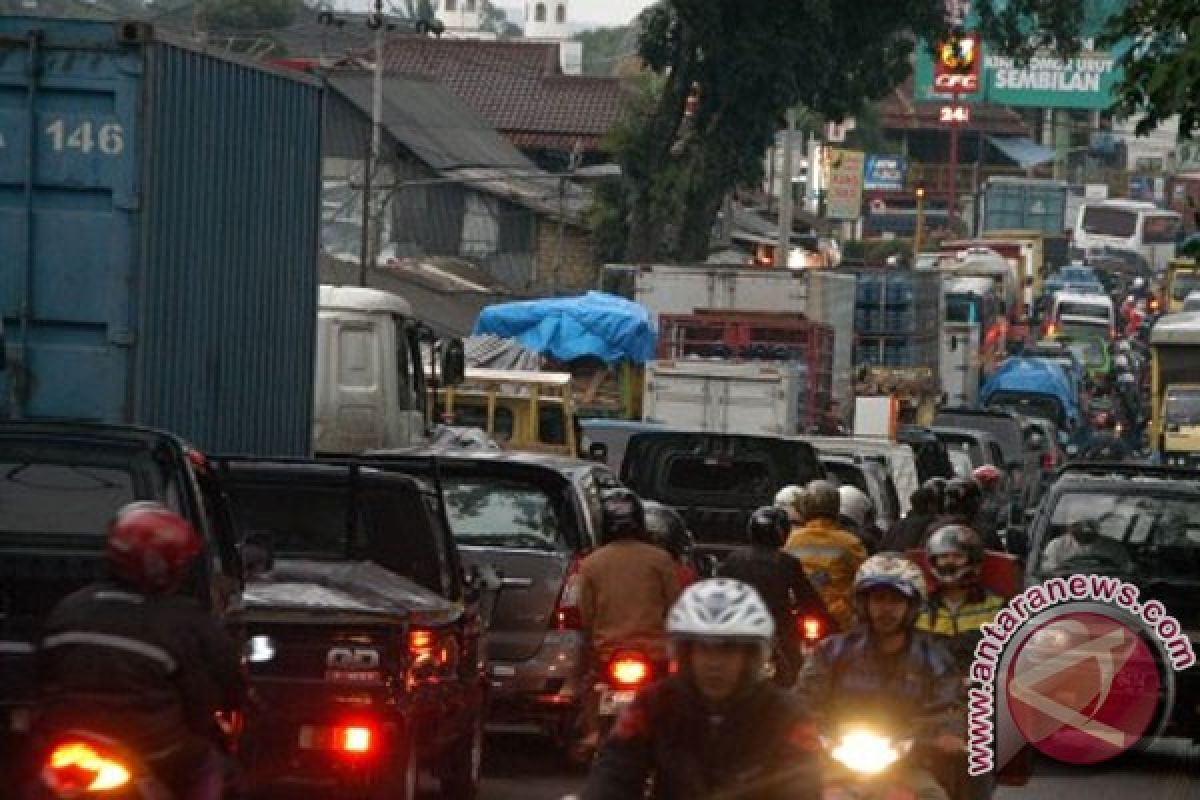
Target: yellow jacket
[831,558]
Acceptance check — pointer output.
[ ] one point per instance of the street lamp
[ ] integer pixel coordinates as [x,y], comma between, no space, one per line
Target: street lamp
[920,193]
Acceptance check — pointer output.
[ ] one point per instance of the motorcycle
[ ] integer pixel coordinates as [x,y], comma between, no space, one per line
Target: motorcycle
[864,764]
[621,675]
[786,662]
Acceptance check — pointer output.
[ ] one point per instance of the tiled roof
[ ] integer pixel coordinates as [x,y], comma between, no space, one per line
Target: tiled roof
[517,86]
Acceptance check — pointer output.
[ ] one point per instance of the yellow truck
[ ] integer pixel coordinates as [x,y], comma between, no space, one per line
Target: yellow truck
[523,410]
[1183,276]
[1175,390]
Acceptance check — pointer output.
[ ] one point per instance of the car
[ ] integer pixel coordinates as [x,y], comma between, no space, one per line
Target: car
[533,518]
[869,476]
[364,632]
[604,440]
[1150,518]
[1058,352]
[60,486]
[1006,428]
[932,459]
[898,460]
[974,449]
[1192,301]
[1093,351]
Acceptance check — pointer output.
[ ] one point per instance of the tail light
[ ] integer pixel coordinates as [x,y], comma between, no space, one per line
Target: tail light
[811,628]
[354,740]
[1049,460]
[421,643]
[629,669]
[77,767]
[567,614]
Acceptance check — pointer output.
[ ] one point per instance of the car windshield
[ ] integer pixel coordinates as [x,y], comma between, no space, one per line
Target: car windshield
[964,308]
[498,512]
[1041,406]
[1110,221]
[741,476]
[1183,407]
[301,521]
[62,490]
[1089,351]
[1083,310]
[1152,533]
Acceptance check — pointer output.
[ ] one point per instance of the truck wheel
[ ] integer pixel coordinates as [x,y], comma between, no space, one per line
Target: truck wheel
[463,767]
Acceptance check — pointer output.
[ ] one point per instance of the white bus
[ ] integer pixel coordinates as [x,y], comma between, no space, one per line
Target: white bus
[1141,227]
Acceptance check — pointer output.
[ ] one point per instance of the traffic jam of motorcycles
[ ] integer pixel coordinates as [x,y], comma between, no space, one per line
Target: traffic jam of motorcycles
[282,518]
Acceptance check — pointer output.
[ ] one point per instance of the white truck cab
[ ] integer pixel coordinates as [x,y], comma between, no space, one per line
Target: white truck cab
[370,388]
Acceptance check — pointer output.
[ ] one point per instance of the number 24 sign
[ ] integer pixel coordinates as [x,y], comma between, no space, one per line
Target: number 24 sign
[955,115]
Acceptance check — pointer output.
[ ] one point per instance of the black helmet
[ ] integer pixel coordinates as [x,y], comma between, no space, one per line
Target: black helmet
[937,487]
[768,527]
[624,515]
[963,497]
[667,529]
[960,540]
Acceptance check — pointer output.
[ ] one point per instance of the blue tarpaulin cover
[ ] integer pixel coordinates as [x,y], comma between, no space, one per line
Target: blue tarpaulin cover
[596,324]
[1033,376]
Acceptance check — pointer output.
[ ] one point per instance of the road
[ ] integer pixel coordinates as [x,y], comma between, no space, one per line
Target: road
[526,768]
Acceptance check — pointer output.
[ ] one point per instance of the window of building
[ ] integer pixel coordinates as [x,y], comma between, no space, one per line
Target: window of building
[539,12]
[451,5]
[560,15]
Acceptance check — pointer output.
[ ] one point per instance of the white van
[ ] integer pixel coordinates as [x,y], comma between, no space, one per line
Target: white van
[1073,310]
[1128,225]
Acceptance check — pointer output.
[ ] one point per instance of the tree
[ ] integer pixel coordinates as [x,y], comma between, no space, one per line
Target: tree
[604,48]
[751,60]
[251,15]
[495,20]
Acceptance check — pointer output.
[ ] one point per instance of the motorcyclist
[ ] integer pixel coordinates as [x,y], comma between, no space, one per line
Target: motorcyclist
[830,555]
[1128,400]
[858,516]
[668,530]
[906,679]
[963,504]
[992,509]
[780,580]
[716,728]
[909,532]
[791,499]
[132,659]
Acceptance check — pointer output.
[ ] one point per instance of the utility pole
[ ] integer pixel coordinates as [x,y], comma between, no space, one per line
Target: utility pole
[572,165]
[783,249]
[370,236]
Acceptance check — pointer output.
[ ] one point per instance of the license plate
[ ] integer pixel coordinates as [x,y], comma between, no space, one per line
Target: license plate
[611,702]
[353,676]
[503,671]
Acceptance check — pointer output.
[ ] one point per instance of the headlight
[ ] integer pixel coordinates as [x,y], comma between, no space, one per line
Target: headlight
[260,649]
[865,752]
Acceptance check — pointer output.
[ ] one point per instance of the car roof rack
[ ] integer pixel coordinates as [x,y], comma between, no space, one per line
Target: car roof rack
[1125,468]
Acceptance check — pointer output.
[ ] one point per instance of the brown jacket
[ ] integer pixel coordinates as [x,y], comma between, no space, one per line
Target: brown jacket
[626,589]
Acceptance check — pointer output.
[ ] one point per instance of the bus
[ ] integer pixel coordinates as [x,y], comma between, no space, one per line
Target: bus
[1131,225]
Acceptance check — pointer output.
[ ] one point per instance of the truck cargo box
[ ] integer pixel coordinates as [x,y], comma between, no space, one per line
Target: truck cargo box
[159,219]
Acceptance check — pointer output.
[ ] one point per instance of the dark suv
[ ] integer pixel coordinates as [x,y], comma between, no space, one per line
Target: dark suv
[364,635]
[60,485]
[1148,521]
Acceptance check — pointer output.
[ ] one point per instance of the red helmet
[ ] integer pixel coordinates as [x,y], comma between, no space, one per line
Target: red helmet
[987,476]
[151,547]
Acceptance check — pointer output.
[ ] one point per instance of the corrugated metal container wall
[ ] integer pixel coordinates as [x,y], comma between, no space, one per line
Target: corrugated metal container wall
[159,224]
[233,189]
[832,302]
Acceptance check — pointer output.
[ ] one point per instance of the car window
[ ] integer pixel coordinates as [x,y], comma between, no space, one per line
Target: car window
[402,539]
[961,460]
[500,512]
[1153,534]
[302,521]
[690,474]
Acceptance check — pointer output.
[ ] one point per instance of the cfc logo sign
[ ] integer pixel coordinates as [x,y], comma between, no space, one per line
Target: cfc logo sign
[956,68]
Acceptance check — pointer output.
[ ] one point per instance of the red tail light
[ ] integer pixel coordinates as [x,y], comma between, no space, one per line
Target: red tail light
[354,740]
[811,628]
[77,767]
[629,669]
[567,615]
[1049,460]
[421,643]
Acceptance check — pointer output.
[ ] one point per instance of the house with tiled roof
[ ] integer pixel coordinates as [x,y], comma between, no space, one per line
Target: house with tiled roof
[521,89]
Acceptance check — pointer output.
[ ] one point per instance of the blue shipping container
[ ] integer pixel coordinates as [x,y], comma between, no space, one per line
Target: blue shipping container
[159,221]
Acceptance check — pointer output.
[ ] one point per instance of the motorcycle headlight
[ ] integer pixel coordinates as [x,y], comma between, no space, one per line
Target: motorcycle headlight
[866,752]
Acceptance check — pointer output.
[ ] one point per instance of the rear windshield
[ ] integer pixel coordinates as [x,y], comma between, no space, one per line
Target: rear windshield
[302,521]
[1029,405]
[689,474]
[964,308]
[64,490]
[1083,310]
[1005,430]
[491,511]
[1110,221]
[964,446]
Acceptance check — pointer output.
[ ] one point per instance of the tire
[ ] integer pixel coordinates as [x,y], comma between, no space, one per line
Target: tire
[463,766]
[401,778]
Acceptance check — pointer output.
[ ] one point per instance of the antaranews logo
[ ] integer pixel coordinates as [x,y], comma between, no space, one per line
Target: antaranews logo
[1078,667]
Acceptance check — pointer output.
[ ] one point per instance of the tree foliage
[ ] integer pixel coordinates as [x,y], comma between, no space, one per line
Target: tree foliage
[495,20]
[603,48]
[251,15]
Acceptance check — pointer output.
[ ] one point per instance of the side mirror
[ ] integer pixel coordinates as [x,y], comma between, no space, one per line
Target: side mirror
[258,554]
[453,365]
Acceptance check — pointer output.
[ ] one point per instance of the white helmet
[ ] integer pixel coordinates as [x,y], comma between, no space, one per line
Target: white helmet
[894,571]
[855,504]
[789,499]
[1122,361]
[721,608]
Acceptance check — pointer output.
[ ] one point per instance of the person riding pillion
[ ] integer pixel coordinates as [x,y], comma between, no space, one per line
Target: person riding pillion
[829,554]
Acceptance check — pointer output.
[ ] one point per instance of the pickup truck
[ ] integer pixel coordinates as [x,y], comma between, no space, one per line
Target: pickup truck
[60,486]
[364,634]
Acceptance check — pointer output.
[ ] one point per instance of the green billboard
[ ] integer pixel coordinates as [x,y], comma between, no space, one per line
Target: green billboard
[1047,81]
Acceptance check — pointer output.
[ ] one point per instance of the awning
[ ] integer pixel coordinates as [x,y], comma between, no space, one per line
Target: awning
[1022,150]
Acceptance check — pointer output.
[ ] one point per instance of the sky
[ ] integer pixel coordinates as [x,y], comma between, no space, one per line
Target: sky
[607,12]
